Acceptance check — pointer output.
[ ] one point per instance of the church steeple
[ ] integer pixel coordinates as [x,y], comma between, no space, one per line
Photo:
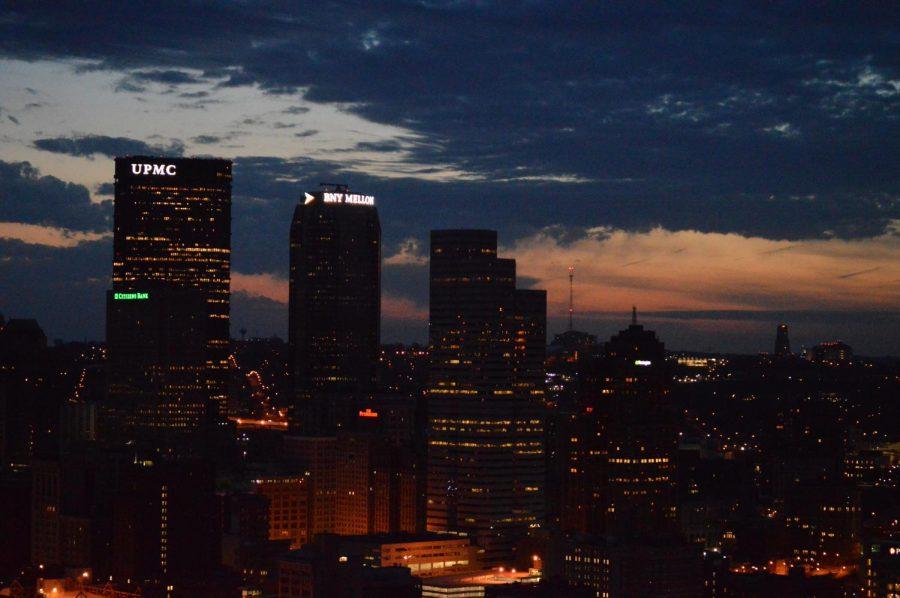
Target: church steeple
[633,315]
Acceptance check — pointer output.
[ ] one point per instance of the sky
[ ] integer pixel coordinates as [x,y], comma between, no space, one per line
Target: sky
[724,167]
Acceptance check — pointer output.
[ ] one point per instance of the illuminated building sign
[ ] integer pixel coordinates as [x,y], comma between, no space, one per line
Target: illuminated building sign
[349,198]
[130,296]
[156,169]
[642,362]
[368,413]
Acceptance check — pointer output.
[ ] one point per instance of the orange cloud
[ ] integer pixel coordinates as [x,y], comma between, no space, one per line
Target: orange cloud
[275,288]
[662,270]
[51,236]
[402,308]
[264,285]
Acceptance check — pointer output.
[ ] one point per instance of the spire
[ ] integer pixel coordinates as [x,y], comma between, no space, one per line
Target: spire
[571,295]
[633,315]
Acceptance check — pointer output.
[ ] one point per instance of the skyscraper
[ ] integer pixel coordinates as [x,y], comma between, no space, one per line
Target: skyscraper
[638,487]
[334,317]
[485,436]
[168,310]
[782,343]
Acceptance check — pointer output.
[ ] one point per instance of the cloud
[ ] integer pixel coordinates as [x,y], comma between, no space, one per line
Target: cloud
[49,236]
[93,145]
[632,94]
[30,198]
[63,287]
[265,285]
[206,139]
[786,130]
[402,309]
[409,253]
[663,270]
[168,76]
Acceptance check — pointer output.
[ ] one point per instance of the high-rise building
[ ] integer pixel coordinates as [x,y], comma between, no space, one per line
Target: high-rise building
[168,310]
[486,390]
[782,342]
[621,444]
[639,480]
[334,316]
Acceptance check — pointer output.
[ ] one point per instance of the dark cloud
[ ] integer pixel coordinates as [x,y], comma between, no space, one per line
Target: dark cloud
[171,77]
[206,139]
[200,104]
[259,316]
[768,120]
[716,106]
[92,145]
[65,289]
[26,196]
[12,119]
[306,133]
[128,85]
[379,146]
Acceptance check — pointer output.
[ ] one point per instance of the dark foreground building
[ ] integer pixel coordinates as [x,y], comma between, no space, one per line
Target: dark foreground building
[485,434]
[335,306]
[168,310]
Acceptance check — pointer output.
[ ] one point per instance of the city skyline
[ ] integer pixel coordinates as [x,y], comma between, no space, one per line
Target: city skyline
[723,198]
[445,298]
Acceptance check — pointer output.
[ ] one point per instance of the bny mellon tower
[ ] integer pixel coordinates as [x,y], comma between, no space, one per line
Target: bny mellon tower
[334,312]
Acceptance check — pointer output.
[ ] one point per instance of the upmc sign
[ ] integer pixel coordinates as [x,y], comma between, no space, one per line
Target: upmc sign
[155,169]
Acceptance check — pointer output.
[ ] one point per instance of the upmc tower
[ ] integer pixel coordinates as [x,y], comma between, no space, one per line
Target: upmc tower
[168,310]
[334,317]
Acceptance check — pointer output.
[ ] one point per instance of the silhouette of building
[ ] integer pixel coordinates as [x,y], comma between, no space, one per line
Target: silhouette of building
[831,353]
[334,313]
[486,389]
[168,310]
[782,343]
[640,440]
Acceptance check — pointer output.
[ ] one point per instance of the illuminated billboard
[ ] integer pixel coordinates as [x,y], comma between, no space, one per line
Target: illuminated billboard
[336,197]
[130,296]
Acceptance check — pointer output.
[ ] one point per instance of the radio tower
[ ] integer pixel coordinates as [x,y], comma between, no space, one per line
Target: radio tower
[571,295]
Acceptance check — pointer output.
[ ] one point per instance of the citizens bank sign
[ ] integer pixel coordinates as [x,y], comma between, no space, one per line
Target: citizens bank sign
[156,169]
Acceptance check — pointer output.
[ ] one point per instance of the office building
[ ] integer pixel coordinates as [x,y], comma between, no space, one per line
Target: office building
[782,342]
[486,390]
[880,569]
[334,315]
[168,309]
[638,481]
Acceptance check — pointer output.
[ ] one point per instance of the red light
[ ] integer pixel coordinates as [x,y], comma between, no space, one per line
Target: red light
[368,413]
[589,409]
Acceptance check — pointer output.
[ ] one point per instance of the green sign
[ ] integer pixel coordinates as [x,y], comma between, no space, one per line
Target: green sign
[130,296]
